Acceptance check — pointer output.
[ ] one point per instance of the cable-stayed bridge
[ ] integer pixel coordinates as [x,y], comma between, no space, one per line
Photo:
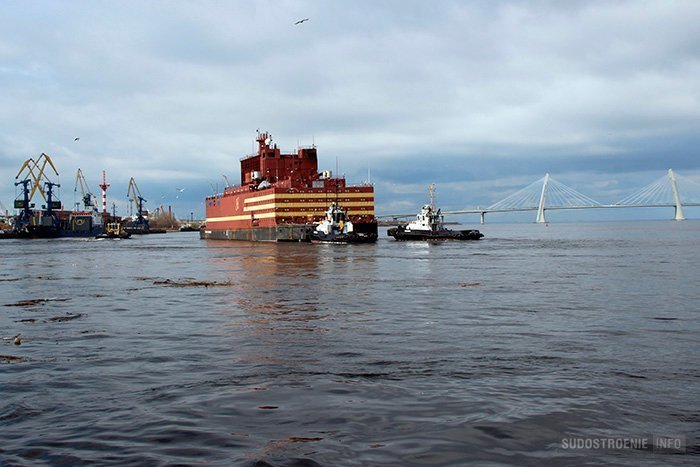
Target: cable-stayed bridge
[548,194]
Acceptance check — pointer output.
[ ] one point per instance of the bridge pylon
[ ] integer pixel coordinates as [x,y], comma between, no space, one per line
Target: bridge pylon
[676,197]
[543,198]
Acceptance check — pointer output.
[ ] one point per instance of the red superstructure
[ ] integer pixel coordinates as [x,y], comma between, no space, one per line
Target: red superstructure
[281,196]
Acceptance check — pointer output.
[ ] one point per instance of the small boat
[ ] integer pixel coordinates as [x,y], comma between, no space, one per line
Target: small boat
[189,228]
[430,225]
[113,231]
[336,228]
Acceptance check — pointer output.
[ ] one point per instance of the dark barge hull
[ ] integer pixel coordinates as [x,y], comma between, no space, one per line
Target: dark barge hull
[343,238]
[93,232]
[40,231]
[279,233]
[131,230]
[53,233]
[401,235]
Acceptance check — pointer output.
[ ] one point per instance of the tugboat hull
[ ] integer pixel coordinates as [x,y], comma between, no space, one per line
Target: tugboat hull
[401,234]
[352,237]
[113,235]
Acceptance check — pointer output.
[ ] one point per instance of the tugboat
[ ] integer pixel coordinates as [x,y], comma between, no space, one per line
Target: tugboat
[336,228]
[114,230]
[429,225]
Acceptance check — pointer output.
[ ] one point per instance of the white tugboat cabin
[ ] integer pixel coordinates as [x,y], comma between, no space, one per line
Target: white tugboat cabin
[335,222]
[336,228]
[426,220]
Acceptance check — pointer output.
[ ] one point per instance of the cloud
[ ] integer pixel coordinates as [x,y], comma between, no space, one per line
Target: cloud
[448,91]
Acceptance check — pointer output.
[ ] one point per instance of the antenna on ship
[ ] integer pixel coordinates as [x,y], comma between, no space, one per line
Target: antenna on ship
[431,189]
[337,174]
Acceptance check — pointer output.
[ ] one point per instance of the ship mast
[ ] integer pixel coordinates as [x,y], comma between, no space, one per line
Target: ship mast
[431,189]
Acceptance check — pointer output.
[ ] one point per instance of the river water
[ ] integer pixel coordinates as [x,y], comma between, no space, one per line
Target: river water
[167,349]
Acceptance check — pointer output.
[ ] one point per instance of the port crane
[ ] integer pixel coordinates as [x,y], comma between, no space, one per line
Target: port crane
[36,175]
[35,178]
[88,196]
[134,194]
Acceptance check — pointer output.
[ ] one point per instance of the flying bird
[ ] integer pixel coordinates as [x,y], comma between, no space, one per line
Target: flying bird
[76,139]
[301,21]
[179,190]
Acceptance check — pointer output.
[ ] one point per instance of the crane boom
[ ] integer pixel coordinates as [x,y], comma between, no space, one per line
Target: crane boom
[135,194]
[36,173]
[86,193]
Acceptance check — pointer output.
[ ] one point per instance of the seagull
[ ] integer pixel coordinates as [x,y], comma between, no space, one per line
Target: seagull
[76,139]
[301,21]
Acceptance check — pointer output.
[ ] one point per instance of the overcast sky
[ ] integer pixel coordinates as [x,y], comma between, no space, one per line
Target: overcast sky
[481,97]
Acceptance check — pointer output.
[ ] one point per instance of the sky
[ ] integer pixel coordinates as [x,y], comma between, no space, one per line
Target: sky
[480,97]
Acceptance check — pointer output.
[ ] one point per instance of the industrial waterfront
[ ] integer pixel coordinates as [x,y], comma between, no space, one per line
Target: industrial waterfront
[169,349]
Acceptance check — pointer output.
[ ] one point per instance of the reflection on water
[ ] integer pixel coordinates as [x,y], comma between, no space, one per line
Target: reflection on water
[169,349]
